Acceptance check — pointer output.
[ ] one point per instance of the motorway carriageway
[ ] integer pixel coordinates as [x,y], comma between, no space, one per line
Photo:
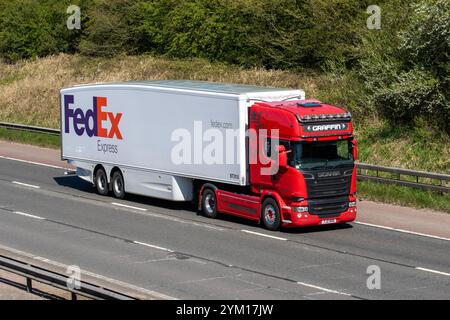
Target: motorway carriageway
[167,249]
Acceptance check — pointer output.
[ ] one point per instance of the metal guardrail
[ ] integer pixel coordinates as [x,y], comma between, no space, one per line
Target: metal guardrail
[441,181]
[441,185]
[33,273]
[28,128]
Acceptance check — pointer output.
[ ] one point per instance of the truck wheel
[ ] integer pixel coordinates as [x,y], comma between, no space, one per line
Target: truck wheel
[118,185]
[101,182]
[209,203]
[270,214]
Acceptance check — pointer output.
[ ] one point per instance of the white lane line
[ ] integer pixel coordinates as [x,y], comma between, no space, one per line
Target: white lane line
[402,230]
[152,246]
[28,215]
[127,206]
[26,185]
[434,271]
[161,216]
[33,162]
[170,218]
[323,289]
[264,235]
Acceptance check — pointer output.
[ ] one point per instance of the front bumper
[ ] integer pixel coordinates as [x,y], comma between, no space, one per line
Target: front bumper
[293,219]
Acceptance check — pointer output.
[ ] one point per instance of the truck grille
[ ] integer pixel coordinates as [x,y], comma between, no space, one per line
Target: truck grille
[328,208]
[330,183]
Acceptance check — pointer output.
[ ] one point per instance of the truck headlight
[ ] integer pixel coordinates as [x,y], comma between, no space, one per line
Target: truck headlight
[352,204]
[300,209]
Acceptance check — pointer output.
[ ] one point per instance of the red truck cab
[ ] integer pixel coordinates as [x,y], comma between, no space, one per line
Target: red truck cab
[315,180]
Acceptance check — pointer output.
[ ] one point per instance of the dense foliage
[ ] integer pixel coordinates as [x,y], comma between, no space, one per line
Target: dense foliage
[400,72]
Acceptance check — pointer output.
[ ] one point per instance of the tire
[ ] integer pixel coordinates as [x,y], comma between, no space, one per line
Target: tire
[209,203]
[270,214]
[118,185]
[101,182]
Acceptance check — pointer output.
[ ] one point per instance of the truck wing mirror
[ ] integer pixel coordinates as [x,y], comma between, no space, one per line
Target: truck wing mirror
[355,149]
[282,157]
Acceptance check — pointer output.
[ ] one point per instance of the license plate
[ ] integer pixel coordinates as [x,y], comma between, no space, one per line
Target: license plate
[328,221]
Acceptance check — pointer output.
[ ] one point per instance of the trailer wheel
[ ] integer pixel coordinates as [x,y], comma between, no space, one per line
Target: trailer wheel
[209,203]
[118,185]
[101,182]
[270,214]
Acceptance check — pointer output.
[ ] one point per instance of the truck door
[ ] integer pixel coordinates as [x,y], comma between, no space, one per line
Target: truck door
[260,151]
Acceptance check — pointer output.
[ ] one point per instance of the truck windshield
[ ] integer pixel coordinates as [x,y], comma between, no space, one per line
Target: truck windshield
[310,155]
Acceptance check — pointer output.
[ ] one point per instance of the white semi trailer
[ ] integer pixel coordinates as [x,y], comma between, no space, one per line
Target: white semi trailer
[137,128]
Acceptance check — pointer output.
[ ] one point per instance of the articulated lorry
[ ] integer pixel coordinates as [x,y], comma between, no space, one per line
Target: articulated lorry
[265,154]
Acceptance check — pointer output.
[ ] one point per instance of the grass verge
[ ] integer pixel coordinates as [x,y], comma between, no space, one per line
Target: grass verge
[415,147]
[404,196]
[33,138]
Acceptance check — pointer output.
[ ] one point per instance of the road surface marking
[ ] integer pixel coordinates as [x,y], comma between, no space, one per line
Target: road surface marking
[154,260]
[264,235]
[323,289]
[434,271]
[28,215]
[402,230]
[26,185]
[170,218]
[161,216]
[127,206]
[152,246]
[33,162]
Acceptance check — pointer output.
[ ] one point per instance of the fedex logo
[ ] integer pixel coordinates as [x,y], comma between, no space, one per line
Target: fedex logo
[81,120]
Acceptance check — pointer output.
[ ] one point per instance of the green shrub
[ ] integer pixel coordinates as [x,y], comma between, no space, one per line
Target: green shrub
[416,93]
[270,33]
[107,29]
[426,43]
[426,40]
[404,66]
[299,34]
[32,28]
[186,29]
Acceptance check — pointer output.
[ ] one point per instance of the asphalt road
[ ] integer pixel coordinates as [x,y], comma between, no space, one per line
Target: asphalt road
[166,247]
